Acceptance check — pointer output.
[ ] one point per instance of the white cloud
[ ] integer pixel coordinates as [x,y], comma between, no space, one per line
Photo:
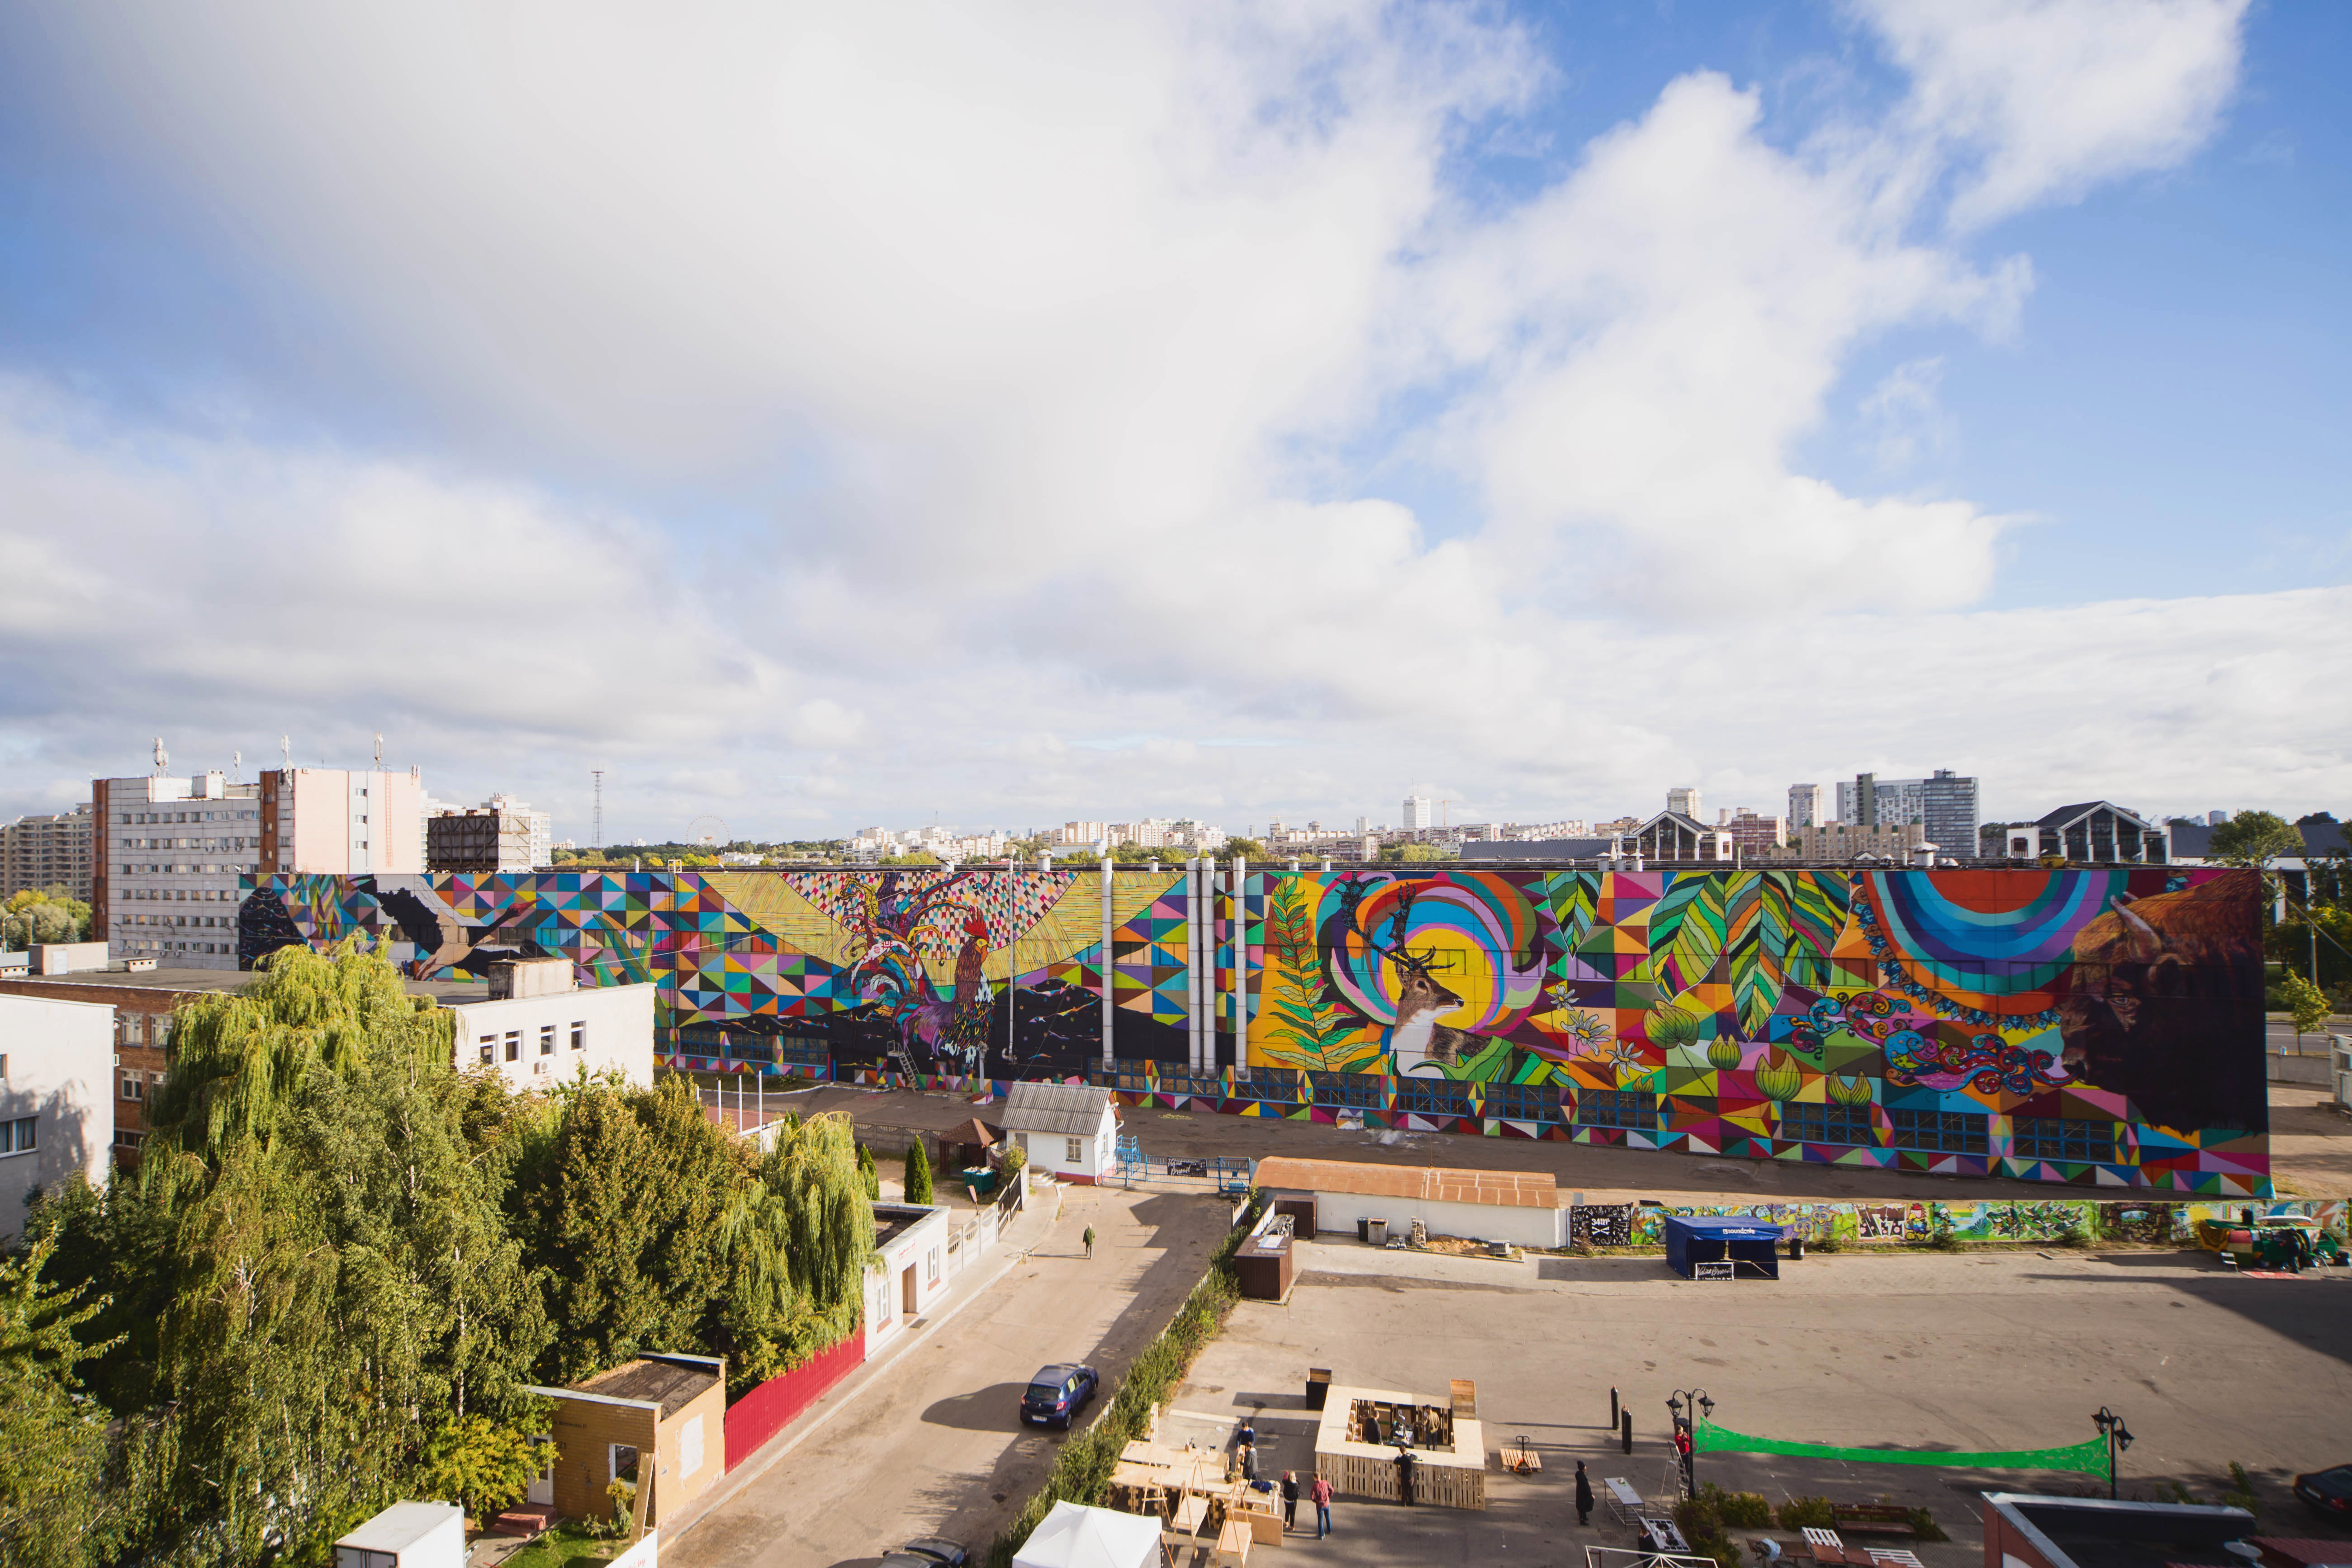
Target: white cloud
[1056,320]
[2052,97]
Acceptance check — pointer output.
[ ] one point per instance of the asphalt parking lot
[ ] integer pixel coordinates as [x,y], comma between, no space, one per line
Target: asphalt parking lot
[1971,1352]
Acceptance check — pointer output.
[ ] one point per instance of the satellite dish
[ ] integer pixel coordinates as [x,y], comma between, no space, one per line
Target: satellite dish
[709,832]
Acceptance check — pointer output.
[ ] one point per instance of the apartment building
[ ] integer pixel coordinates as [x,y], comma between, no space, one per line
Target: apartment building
[165,882]
[1808,805]
[502,833]
[38,853]
[1753,834]
[1836,841]
[54,1058]
[1944,803]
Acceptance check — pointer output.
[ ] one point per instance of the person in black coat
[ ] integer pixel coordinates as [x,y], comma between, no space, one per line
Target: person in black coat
[1404,1463]
[1583,1494]
[1289,1499]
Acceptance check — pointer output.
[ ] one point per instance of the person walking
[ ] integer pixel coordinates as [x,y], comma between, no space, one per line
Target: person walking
[1583,1494]
[1320,1492]
[1289,1502]
[1089,1240]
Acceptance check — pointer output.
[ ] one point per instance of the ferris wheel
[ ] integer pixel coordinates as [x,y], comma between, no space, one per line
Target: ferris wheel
[707,831]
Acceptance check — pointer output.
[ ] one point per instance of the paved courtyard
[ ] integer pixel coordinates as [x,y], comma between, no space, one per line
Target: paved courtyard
[1971,1352]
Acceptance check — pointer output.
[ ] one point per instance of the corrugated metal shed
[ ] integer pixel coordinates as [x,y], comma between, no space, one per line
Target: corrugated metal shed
[1069,1107]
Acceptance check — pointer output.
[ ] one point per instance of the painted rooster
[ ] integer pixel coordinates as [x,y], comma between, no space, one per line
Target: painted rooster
[956,1028]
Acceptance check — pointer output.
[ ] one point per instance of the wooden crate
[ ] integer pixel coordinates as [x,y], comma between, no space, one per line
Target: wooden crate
[1465,1398]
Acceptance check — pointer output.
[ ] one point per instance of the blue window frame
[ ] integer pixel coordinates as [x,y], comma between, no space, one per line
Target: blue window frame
[1266,1083]
[1432,1097]
[1939,1131]
[2051,1137]
[1805,1122]
[1630,1109]
[1349,1090]
[1524,1101]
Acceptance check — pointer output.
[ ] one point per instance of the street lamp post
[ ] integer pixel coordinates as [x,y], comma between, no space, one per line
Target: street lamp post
[1690,1406]
[2118,1436]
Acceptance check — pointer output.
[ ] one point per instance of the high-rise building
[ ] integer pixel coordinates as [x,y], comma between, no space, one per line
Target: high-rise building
[1683,801]
[1416,813]
[1944,803]
[37,853]
[1808,805]
[502,833]
[1755,835]
[2216,818]
[172,849]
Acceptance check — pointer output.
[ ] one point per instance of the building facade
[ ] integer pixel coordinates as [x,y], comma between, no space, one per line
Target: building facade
[56,1110]
[1845,841]
[1683,803]
[38,853]
[1944,803]
[502,833]
[1808,805]
[547,1028]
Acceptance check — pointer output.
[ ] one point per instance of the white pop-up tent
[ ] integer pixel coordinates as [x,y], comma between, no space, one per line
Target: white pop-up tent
[1076,1537]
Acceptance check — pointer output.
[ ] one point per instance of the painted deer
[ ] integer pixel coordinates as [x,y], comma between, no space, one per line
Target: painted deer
[1417,1042]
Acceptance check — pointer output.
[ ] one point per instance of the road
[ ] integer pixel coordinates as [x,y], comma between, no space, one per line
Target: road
[933,1443]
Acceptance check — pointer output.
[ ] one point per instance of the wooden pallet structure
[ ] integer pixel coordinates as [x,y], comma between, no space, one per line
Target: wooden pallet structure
[1356,1445]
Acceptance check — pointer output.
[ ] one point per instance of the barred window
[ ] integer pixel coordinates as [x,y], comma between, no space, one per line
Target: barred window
[1526,1102]
[1939,1131]
[1266,1083]
[1618,1108]
[2049,1138]
[1135,1079]
[1348,1091]
[1432,1097]
[1806,1123]
[1205,1083]
[801,1050]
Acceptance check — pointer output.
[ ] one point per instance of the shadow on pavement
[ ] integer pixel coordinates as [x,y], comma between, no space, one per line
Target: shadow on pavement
[996,1409]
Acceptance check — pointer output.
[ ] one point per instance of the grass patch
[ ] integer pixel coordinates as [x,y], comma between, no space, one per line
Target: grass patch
[568,1545]
[1081,1472]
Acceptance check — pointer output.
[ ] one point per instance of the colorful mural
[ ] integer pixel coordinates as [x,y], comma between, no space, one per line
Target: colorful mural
[2096,1027]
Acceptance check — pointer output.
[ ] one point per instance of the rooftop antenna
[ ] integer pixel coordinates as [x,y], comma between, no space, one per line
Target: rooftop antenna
[286,748]
[235,766]
[596,835]
[162,758]
[379,751]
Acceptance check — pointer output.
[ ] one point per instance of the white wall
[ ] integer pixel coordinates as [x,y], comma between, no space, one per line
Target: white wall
[1483,1222]
[618,1022]
[922,1247]
[60,1070]
[1050,1151]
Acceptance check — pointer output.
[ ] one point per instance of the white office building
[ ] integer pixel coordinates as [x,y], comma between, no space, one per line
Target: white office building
[1416,814]
[57,1099]
[539,1027]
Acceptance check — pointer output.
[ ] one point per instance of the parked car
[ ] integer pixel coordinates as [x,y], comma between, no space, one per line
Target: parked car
[2327,1492]
[1056,1394]
[934,1549]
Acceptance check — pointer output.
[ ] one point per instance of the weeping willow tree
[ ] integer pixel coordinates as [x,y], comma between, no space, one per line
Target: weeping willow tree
[802,1233]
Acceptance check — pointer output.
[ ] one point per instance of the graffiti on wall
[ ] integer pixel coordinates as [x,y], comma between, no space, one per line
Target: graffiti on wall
[2097,1025]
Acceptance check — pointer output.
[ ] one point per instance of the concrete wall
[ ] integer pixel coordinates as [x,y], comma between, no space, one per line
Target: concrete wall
[1483,1222]
[921,1247]
[60,1062]
[616,1025]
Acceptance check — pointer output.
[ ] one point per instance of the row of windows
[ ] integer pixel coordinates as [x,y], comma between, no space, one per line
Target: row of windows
[513,1040]
[142,818]
[145,946]
[189,844]
[186,867]
[176,919]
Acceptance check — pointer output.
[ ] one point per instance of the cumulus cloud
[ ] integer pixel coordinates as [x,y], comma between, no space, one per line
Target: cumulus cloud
[1045,344]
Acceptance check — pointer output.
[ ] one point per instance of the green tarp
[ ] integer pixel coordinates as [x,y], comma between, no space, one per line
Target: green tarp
[2090,1455]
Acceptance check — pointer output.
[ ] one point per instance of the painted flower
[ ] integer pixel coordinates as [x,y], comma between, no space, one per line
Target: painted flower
[1778,1076]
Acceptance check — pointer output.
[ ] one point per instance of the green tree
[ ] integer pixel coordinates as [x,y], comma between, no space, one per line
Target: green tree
[919,1174]
[2254,838]
[52,1487]
[2306,1003]
[46,915]
[800,1237]
[867,1169]
[484,1464]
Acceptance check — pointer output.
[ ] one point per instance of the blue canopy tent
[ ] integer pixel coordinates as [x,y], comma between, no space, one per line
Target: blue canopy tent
[1746,1244]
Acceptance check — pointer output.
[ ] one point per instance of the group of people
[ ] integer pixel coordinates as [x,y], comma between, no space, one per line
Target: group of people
[1319,1492]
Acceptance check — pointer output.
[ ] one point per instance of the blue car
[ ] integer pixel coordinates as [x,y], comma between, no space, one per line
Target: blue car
[1056,1394]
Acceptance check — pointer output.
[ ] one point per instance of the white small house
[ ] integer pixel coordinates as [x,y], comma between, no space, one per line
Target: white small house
[1069,1130]
[539,1027]
[56,1098]
[909,1268]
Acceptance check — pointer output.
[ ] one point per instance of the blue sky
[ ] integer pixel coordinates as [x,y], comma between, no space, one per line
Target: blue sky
[840,417]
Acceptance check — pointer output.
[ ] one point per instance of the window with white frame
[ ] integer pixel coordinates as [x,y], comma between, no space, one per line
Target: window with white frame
[1077,1151]
[579,1035]
[547,1039]
[931,1266]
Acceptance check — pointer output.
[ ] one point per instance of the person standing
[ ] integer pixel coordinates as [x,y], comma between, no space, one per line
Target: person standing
[1089,1240]
[1290,1501]
[1683,1453]
[1583,1494]
[1404,1462]
[1321,1494]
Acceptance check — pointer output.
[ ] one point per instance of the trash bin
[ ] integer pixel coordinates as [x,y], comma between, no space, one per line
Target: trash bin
[1796,1245]
[1376,1231]
[1363,1230]
[1319,1386]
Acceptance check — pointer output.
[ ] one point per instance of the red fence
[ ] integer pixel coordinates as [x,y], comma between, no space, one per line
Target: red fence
[763,1412]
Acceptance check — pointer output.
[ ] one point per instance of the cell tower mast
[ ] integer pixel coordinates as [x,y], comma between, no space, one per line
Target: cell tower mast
[596,834]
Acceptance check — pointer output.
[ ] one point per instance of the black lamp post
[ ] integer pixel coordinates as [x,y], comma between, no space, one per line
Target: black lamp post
[2118,1436]
[1698,1408]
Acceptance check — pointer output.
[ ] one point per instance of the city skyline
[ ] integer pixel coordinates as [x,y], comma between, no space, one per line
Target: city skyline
[1354,458]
